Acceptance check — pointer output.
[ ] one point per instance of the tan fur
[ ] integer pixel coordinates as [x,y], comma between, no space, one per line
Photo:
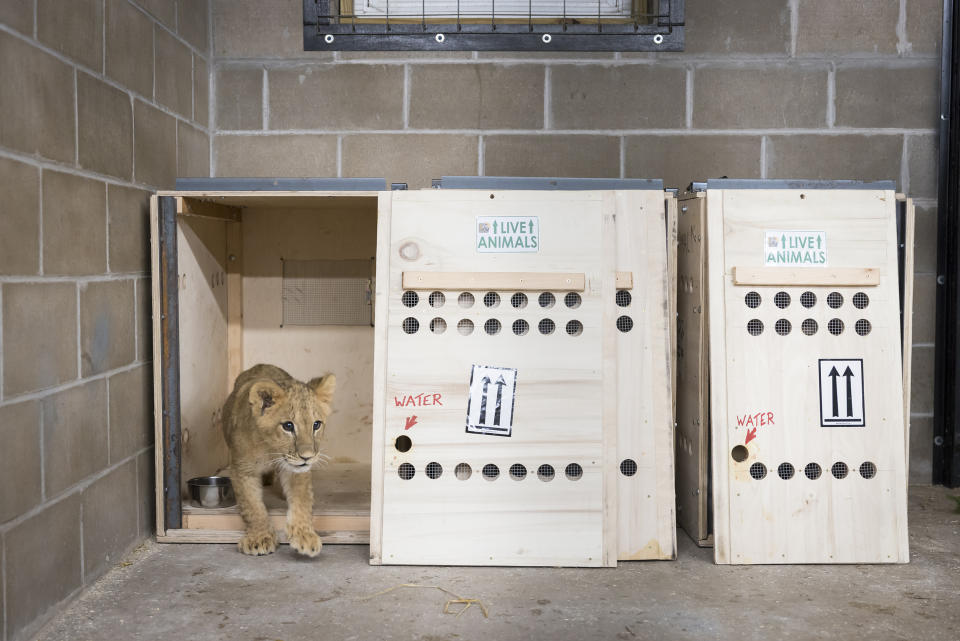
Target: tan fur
[264,398]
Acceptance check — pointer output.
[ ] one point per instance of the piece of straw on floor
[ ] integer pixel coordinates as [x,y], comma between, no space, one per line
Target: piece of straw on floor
[456,600]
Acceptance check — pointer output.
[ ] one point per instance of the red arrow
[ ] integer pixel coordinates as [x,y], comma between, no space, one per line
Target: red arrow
[411,421]
[751,434]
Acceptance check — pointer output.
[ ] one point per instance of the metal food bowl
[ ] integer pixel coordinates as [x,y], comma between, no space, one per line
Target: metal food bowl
[211,491]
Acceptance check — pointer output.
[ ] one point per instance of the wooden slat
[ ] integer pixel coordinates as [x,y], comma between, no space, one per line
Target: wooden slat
[808,276]
[234,303]
[205,209]
[512,281]
[157,362]
[624,280]
[349,537]
[331,522]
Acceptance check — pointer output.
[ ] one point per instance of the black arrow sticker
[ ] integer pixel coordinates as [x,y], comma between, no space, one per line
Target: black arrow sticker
[852,392]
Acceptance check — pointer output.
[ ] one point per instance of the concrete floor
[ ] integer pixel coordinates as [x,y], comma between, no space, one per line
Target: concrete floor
[174,592]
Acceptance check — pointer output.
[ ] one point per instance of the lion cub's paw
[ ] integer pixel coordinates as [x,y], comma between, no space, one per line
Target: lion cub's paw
[305,541]
[259,543]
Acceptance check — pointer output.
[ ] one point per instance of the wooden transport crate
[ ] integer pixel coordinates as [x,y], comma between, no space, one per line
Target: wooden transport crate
[591,401]
[805,415]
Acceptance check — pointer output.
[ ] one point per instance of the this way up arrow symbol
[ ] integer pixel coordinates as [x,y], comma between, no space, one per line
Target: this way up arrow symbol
[483,398]
[496,414]
[833,375]
[848,374]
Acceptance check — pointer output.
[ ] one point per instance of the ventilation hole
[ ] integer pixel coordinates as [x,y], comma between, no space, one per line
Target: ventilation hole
[628,467]
[755,326]
[813,471]
[490,471]
[808,299]
[492,326]
[860,300]
[466,300]
[491,299]
[518,472]
[574,328]
[518,300]
[835,326]
[863,327]
[521,327]
[463,471]
[546,326]
[438,326]
[437,299]
[752,299]
[624,323]
[433,470]
[623,298]
[546,300]
[758,471]
[809,326]
[574,472]
[782,327]
[739,453]
[545,472]
[782,300]
[403,443]
[839,470]
[786,471]
[835,300]
[572,300]
[465,326]
[411,325]
[406,471]
[410,299]
[868,470]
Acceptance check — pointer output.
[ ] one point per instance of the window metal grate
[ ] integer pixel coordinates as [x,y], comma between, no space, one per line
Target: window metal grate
[493,25]
[327,292]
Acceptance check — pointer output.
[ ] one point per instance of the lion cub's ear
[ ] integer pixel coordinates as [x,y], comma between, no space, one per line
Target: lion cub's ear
[264,395]
[324,388]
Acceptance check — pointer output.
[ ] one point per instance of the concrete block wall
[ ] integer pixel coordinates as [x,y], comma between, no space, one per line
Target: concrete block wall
[101,102]
[765,89]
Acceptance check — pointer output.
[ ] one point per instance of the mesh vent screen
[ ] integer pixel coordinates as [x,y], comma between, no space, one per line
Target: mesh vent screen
[546,326]
[786,471]
[492,326]
[860,300]
[490,471]
[839,470]
[808,299]
[465,299]
[758,471]
[406,471]
[327,292]
[518,472]
[624,323]
[546,300]
[433,470]
[520,327]
[462,471]
[809,326]
[437,299]
[410,299]
[572,300]
[465,326]
[438,326]
[491,299]
[835,326]
[752,299]
[782,300]
[783,327]
[628,467]
[518,300]
[755,326]
[835,300]
[545,472]
[863,327]
[868,470]
[574,471]
[623,298]
[813,471]
[574,328]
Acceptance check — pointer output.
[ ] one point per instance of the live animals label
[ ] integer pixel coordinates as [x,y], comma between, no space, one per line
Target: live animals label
[492,393]
[794,248]
[508,234]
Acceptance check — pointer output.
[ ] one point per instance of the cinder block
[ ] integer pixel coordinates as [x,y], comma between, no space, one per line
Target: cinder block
[129,47]
[129,224]
[921,385]
[924,27]
[174,71]
[484,96]
[144,320]
[293,156]
[20,222]
[827,26]
[109,518]
[193,151]
[755,97]
[848,156]
[18,16]
[155,146]
[678,160]
[925,241]
[131,412]
[106,326]
[239,97]
[75,29]
[36,101]
[924,308]
[163,10]
[105,118]
[193,22]
[413,56]
[552,155]
[545,55]
[904,97]
[260,29]
[621,97]
[74,224]
[921,450]
[146,490]
[43,562]
[39,336]
[20,459]
[737,26]
[414,159]
[74,435]
[336,97]
[201,91]
[922,157]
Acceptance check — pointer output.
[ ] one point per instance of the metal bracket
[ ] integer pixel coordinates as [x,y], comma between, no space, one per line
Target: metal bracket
[281,184]
[545,184]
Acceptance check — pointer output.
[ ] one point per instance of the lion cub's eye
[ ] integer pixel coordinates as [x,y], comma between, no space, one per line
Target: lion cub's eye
[288,426]
[316,425]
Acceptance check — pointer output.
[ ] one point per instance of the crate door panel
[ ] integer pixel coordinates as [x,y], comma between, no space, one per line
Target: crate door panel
[533,495]
[812,430]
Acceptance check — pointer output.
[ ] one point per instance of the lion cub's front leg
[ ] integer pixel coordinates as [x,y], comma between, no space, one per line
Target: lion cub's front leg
[298,488]
[259,538]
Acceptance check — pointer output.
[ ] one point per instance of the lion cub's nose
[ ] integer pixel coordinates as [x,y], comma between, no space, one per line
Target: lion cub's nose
[306,457]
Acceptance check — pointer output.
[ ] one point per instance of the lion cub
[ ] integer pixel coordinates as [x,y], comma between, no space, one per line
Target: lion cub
[273,423]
